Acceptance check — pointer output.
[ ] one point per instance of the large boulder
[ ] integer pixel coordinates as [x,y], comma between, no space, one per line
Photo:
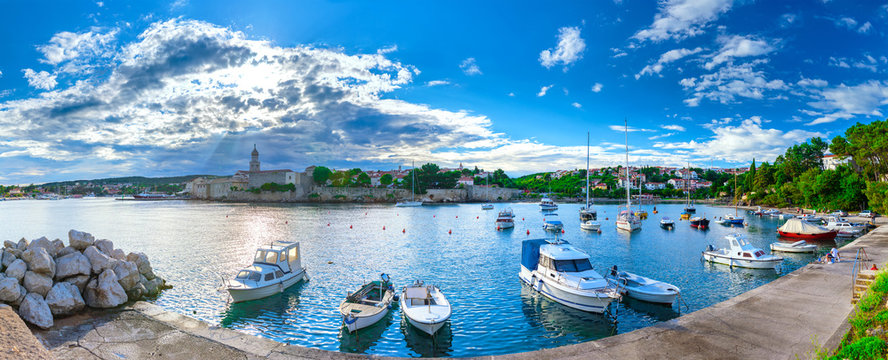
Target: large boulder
[65,251]
[142,262]
[127,274]
[105,246]
[39,261]
[57,245]
[37,283]
[118,254]
[22,244]
[98,261]
[10,290]
[137,292]
[154,286]
[7,244]
[44,243]
[35,311]
[80,240]
[17,270]
[71,265]
[79,281]
[104,291]
[8,258]
[64,299]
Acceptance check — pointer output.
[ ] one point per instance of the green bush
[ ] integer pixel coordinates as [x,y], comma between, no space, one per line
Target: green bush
[277,187]
[870,301]
[881,317]
[880,284]
[339,197]
[869,347]
[314,195]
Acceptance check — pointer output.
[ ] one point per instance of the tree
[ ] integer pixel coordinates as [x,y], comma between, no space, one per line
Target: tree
[363,179]
[750,177]
[321,174]
[877,193]
[386,179]
[867,144]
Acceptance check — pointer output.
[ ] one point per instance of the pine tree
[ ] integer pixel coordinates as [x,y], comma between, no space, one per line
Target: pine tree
[750,177]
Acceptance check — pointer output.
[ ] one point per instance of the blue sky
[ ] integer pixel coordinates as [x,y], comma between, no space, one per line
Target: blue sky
[96,89]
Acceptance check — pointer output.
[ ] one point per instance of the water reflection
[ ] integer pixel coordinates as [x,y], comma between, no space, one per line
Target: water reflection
[560,320]
[659,312]
[425,345]
[363,339]
[278,306]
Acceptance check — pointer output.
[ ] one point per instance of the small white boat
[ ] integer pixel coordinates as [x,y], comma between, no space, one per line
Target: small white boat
[742,254]
[667,223]
[797,247]
[786,216]
[368,305]
[546,204]
[811,219]
[408,203]
[627,221]
[486,206]
[772,212]
[720,221]
[646,289]
[563,273]
[590,225]
[552,222]
[425,307]
[505,219]
[412,202]
[843,227]
[275,268]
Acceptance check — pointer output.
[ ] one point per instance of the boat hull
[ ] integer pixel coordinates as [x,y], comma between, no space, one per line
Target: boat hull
[548,207]
[360,322]
[652,298]
[700,224]
[794,249]
[562,295]
[590,227]
[821,236]
[247,294]
[628,226]
[750,264]
[505,224]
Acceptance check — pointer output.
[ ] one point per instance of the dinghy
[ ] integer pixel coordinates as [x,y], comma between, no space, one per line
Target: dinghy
[797,247]
[646,289]
[368,305]
[425,307]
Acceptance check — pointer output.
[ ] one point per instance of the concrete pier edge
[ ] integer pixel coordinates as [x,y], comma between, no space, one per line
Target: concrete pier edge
[779,320]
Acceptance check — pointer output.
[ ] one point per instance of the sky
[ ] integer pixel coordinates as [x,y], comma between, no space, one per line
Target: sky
[158,88]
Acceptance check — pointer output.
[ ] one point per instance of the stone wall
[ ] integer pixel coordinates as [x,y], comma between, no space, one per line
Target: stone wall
[335,194]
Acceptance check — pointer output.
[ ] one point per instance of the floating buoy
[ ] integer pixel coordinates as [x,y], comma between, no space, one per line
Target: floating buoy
[404,231]
[365,213]
[522,219]
[605,218]
[226,216]
[329,262]
[328,224]
[476,217]
[562,231]
[349,226]
[599,231]
[497,227]
[433,215]
[383,227]
[286,222]
[528,231]
[457,216]
[449,232]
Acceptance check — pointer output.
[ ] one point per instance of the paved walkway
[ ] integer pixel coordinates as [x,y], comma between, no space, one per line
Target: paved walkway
[779,320]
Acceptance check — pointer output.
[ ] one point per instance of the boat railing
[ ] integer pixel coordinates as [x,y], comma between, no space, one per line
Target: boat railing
[855,268]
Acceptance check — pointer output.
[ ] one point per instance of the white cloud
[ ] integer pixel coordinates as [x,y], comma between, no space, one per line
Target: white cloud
[729,82]
[846,22]
[735,46]
[543,90]
[470,67]
[618,53]
[437,83]
[665,58]
[569,49]
[787,20]
[867,63]
[655,137]
[576,105]
[40,80]
[805,82]
[865,28]
[386,50]
[511,94]
[66,46]
[845,102]
[623,128]
[678,19]
[596,88]
[673,127]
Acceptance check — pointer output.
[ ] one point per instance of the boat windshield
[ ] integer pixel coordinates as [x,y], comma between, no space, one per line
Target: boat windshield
[248,275]
[266,256]
[576,265]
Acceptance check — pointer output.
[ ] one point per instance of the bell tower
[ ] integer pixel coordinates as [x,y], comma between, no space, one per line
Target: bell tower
[254,160]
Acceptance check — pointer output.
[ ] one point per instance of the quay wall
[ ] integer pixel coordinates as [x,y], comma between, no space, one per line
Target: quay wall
[371,195]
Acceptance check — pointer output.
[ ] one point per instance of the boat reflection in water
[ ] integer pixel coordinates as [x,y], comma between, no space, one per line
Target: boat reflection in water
[278,306]
[740,275]
[361,340]
[563,321]
[658,312]
[439,345]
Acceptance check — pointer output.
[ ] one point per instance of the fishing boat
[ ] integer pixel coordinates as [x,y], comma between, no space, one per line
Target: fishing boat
[505,219]
[412,202]
[425,307]
[646,289]
[797,247]
[590,225]
[368,305]
[741,254]
[685,215]
[699,222]
[551,222]
[798,229]
[546,204]
[275,268]
[667,223]
[626,220]
[487,206]
[563,273]
[587,213]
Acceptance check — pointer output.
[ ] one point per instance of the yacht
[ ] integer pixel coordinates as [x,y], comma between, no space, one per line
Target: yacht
[368,305]
[741,253]
[546,204]
[564,274]
[275,268]
[552,222]
[425,307]
[505,219]
[843,227]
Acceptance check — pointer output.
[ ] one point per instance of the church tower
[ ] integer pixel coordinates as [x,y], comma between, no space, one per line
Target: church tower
[254,161]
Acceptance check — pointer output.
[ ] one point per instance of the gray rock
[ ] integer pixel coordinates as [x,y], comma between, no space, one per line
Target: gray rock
[79,281]
[127,274]
[80,240]
[8,244]
[65,251]
[22,244]
[105,246]
[72,265]
[44,243]
[39,261]
[142,262]
[37,283]
[137,292]
[10,290]
[24,292]
[17,270]
[118,254]
[98,261]
[105,291]
[154,286]
[57,246]
[64,299]
[8,258]
[35,311]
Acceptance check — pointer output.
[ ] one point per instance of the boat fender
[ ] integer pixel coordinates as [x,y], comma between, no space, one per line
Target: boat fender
[395,298]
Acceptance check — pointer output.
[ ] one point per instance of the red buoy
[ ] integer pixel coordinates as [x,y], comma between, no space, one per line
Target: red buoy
[449,232]
[286,222]
[528,231]
[404,231]
[349,226]
[562,231]
[457,216]
[476,217]
[383,227]
[522,219]
[328,224]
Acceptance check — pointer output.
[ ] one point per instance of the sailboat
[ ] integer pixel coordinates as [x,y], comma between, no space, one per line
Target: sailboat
[627,220]
[588,215]
[689,208]
[487,206]
[640,213]
[412,201]
[734,219]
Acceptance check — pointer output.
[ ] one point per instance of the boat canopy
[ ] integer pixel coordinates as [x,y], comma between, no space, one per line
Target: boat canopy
[797,226]
[530,253]
[282,254]
[563,251]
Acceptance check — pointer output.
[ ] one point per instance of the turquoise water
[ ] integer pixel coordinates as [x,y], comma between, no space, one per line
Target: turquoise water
[192,244]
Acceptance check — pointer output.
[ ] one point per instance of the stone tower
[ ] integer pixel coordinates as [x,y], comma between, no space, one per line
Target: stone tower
[254,161]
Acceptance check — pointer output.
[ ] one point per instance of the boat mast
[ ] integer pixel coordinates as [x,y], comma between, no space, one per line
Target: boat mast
[687,186]
[736,200]
[628,202]
[413,184]
[587,171]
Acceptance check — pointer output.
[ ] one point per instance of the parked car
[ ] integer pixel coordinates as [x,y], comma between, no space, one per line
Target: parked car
[867,213]
[839,213]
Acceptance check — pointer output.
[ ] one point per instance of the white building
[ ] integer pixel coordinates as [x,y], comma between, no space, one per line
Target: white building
[655,186]
[830,162]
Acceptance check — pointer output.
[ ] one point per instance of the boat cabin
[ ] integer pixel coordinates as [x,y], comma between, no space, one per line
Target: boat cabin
[742,248]
[272,262]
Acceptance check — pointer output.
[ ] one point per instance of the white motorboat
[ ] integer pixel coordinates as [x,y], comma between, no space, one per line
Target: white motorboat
[772,212]
[720,221]
[505,219]
[811,219]
[486,206]
[646,289]
[552,222]
[786,216]
[626,220]
[564,274]
[368,305]
[408,203]
[590,225]
[843,227]
[425,307]
[412,202]
[797,247]
[546,204]
[667,223]
[742,254]
[275,268]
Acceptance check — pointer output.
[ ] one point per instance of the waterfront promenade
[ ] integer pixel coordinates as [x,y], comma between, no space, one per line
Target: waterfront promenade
[778,320]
